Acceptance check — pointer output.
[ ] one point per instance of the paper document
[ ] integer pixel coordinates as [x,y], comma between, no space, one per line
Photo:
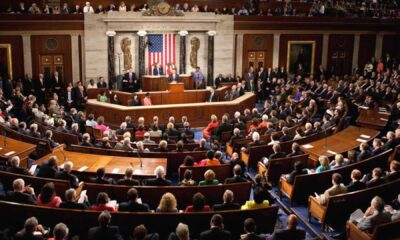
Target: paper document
[357,215]
[361,140]
[384,119]
[331,152]
[115,170]
[82,168]
[365,136]
[9,153]
[307,146]
[82,196]
[33,169]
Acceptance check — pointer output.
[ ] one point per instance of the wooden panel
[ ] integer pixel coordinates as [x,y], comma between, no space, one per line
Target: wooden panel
[283,47]
[63,48]
[391,46]
[367,48]
[17,54]
[257,42]
[340,53]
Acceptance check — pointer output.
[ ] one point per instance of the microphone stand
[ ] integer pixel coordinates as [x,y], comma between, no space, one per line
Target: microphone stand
[62,152]
[5,139]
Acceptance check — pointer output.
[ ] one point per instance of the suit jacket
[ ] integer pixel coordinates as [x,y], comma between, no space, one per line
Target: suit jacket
[158,182]
[158,71]
[355,186]
[277,155]
[215,234]
[285,138]
[129,182]
[24,235]
[104,233]
[18,170]
[363,155]
[171,78]
[375,182]
[69,177]
[251,236]
[332,191]
[291,177]
[235,179]
[284,234]
[213,98]
[392,176]
[46,171]
[368,223]
[133,207]
[18,197]
[226,206]
[74,205]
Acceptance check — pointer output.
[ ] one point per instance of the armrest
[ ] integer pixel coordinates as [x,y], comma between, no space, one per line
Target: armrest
[245,157]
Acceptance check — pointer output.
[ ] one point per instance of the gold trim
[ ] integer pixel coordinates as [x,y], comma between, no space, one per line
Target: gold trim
[9,59]
[312,54]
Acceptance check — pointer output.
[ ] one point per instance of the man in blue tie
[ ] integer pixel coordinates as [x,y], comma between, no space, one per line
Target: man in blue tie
[157,70]
[130,83]
[198,78]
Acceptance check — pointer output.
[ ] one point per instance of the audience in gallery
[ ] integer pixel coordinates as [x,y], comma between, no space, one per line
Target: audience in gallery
[372,9]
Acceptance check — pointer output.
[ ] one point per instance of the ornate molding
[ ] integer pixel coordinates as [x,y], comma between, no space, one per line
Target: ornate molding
[162,9]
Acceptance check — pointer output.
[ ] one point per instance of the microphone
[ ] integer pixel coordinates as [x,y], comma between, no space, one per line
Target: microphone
[62,152]
[138,156]
[5,139]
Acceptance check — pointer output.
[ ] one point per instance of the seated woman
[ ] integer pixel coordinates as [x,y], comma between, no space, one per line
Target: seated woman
[187,179]
[253,126]
[180,147]
[299,169]
[102,97]
[338,162]
[167,203]
[100,124]
[199,204]
[188,161]
[210,160]
[47,196]
[209,178]
[324,164]
[213,124]
[103,203]
[258,202]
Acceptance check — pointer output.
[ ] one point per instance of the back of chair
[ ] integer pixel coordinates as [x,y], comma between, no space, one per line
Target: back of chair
[277,167]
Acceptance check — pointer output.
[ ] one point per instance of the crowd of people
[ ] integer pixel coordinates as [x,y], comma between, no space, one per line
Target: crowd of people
[375,9]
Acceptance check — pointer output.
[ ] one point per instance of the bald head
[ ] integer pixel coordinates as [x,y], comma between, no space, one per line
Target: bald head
[292,221]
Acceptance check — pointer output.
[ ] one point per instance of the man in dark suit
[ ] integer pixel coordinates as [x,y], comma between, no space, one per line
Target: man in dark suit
[71,201]
[250,227]
[237,178]
[40,89]
[377,178]
[218,80]
[157,70]
[225,126]
[364,152]
[356,183]
[174,77]
[21,193]
[228,202]
[160,178]
[394,172]
[286,135]
[130,82]
[49,169]
[67,175]
[128,179]
[104,231]
[28,85]
[101,179]
[15,168]
[31,226]
[212,96]
[132,205]
[291,232]
[277,152]
[57,84]
[299,169]
[217,231]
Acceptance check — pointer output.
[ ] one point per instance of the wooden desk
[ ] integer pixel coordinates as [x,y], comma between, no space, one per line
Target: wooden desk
[160,83]
[197,113]
[340,142]
[19,148]
[163,97]
[372,118]
[110,163]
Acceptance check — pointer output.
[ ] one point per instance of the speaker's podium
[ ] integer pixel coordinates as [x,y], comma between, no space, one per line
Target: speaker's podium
[176,87]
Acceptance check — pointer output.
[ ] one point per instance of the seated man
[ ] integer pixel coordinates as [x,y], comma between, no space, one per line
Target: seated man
[299,169]
[377,178]
[125,145]
[249,227]
[133,205]
[147,139]
[104,231]
[228,203]
[236,136]
[237,178]
[394,172]
[128,178]
[100,178]
[160,179]
[364,152]
[336,189]
[67,175]
[356,183]
[31,230]
[86,140]
[15,168]
[122,129]
[49,169]
[217,230]
[21,193]
[373,216]
[296,151]
[291,232]
[71,201]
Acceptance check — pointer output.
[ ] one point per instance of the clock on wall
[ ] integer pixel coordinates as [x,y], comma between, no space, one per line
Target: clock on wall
[51,44]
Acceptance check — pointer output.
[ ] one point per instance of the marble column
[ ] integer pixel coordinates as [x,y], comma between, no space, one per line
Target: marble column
[182,50]
[210,58]
[142,46]
[26,42]
[239,55]
[356,50]
[325,46]
[275,54]
[379,45]
[75,58]
[111,58]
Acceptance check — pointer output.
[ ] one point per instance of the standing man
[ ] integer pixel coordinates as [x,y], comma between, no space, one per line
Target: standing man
[157,70]
[174,77]
[56,83]
[130,82]
[40,89]
[198,78]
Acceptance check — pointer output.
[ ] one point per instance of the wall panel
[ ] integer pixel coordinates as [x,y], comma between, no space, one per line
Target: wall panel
[258,42]
[340,53]
[17,54]
[367,48]
[391,46]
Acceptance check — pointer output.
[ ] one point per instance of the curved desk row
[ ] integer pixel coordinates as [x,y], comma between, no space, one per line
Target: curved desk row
[197,113]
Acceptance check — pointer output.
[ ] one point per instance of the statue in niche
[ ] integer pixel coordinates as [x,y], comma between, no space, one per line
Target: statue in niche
[126,50]
[195,46]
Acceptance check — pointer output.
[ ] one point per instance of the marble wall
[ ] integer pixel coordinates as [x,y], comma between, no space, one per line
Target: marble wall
[127,24]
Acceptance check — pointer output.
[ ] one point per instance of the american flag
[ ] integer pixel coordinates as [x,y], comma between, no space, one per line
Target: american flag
[161,50]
